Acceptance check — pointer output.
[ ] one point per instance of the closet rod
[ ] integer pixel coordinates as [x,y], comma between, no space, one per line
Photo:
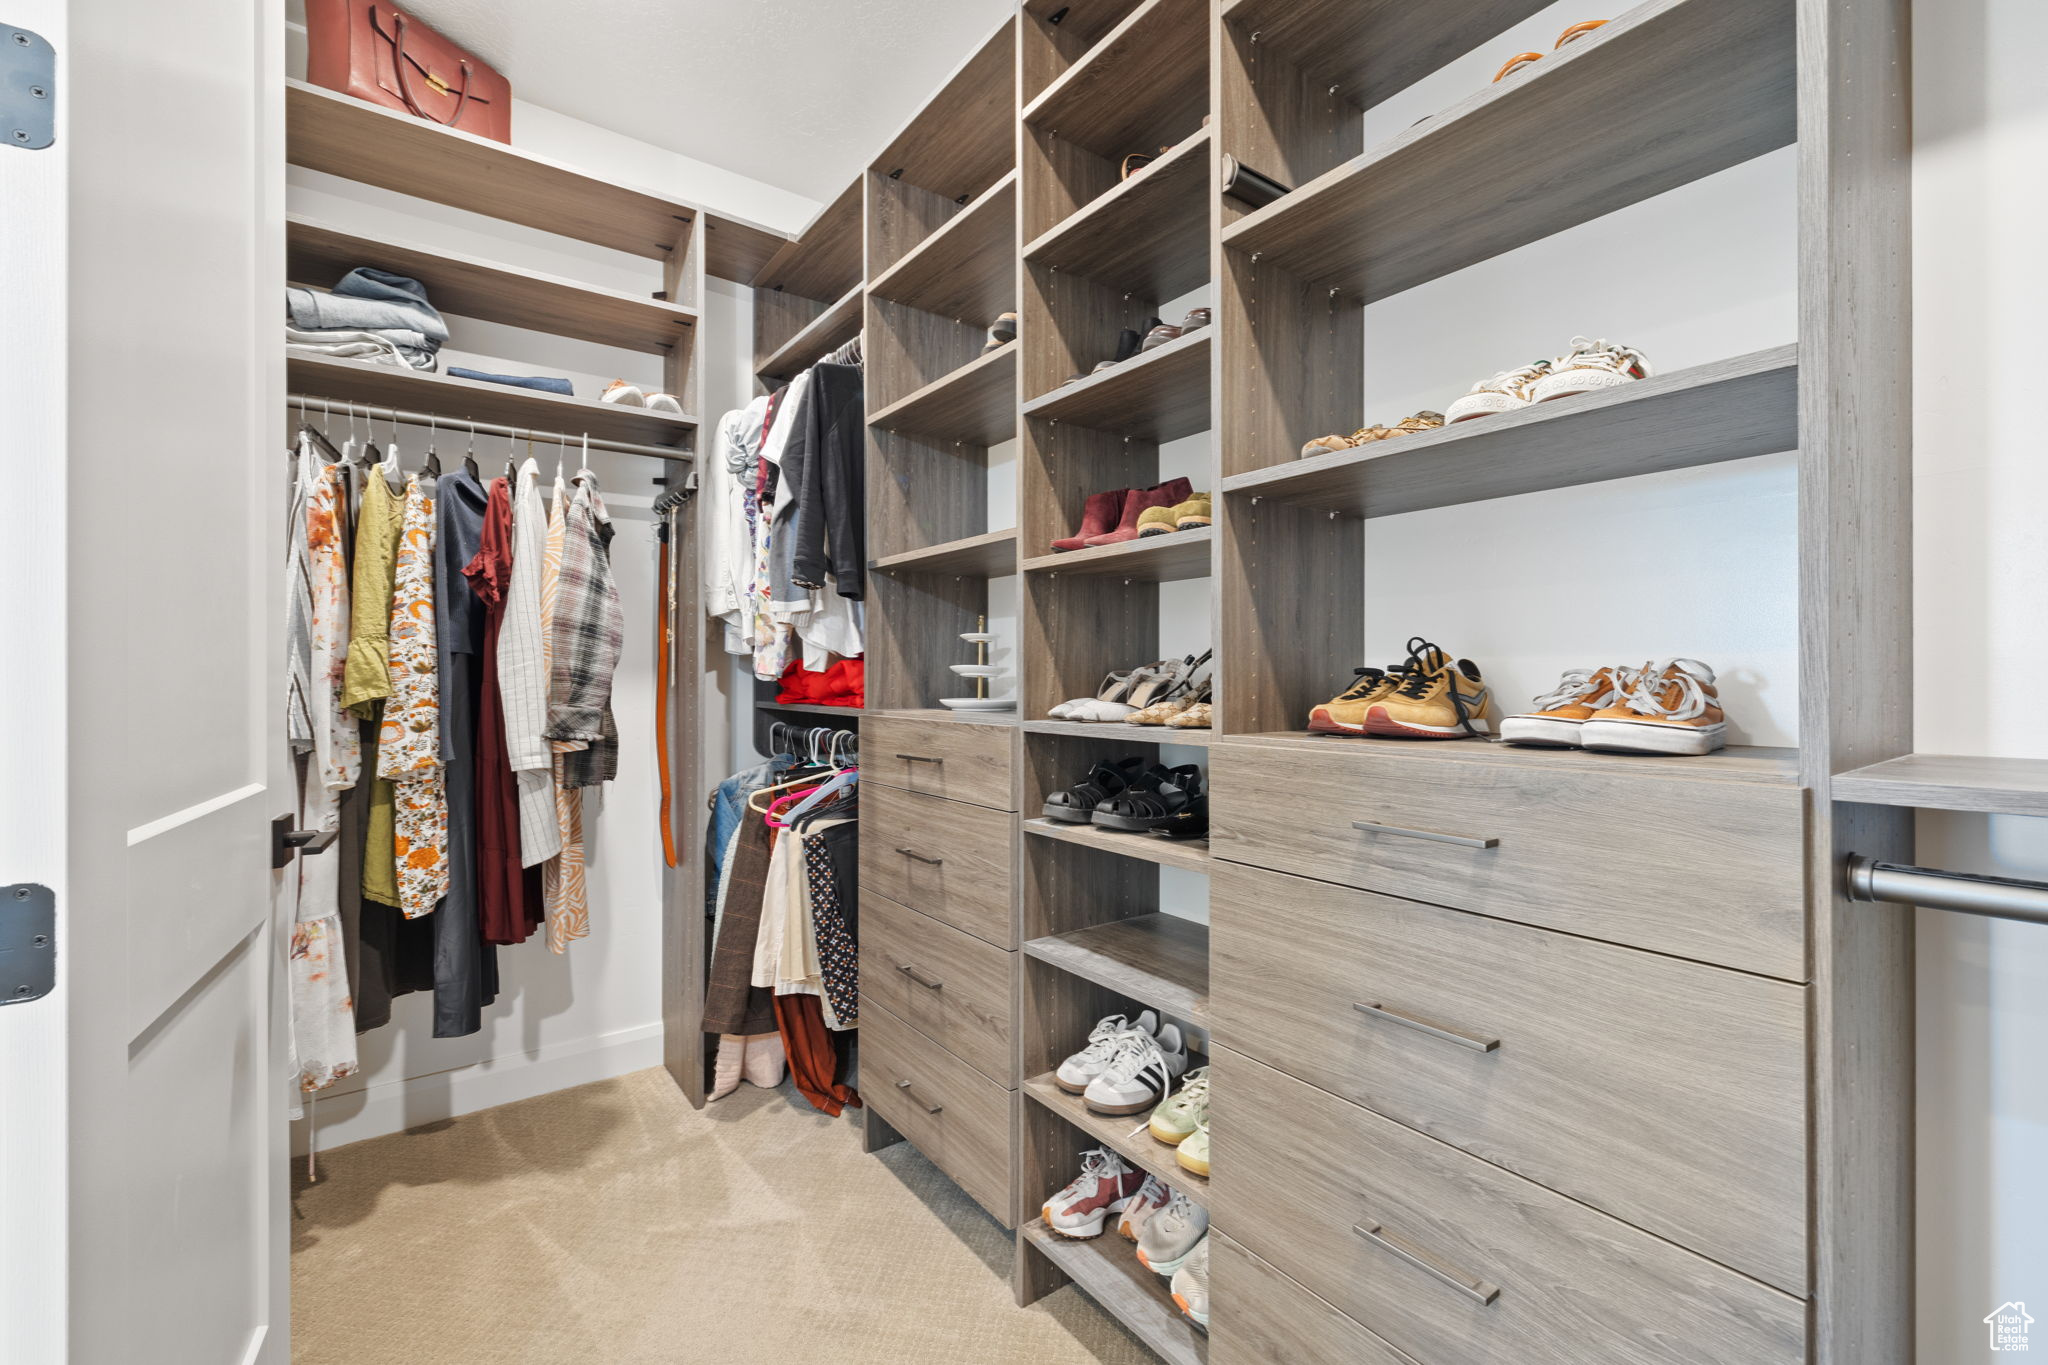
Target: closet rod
[1966,893]
[452,425]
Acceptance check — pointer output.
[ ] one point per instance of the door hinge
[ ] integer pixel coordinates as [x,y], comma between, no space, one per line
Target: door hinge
[28,942]
[28,89]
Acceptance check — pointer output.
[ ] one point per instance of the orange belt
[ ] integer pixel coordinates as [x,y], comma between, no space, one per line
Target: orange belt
[662,629]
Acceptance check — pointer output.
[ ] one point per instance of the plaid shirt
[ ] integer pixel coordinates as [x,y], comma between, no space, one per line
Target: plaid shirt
[589,632]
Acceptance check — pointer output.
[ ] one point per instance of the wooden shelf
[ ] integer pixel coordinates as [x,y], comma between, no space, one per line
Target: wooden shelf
[941,713]
[1738,762]
[474,400]
[1710,83]
[967,268]
[810,709]
[1165,558]
[1728,410]
[1373,48]
[976,403]
[1114,1132]
[1149,235]
[1157,395]
[1988,786]
[824,261]
[833,328]
[1107,1269]
[1118,732]
[964,138]
[1192,854]
[335,133]
[993,554]
[477,288]
[1158,960]
[1147,78]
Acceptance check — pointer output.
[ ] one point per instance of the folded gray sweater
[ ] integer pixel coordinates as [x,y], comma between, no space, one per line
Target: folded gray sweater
[368,300]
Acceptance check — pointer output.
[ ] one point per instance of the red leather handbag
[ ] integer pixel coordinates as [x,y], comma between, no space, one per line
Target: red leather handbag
[376,52]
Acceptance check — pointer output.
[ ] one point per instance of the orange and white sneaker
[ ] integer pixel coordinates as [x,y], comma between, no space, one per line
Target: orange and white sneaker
[1439,699]
[1672,708]
[1505,392]
[1345,713]
[1558,714]
[1592,365]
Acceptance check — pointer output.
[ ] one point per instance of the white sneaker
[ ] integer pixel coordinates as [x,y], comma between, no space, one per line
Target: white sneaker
[1591,365]
[1077,1071]
[1151,1197]
[1105,1186]
[1171,1234]
[1505,392]
[1140,1071]
[664,402]
[624,394]
[1191,1286]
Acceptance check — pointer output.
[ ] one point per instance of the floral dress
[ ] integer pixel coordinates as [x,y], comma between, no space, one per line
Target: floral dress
[409,744]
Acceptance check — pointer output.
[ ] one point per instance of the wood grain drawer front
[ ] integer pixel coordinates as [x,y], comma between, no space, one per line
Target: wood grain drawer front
[1704,869]
[1450,1258]
[941,758]
[1262,1317]
[1668,1093]
[948,985]
[955,1115]
[946,859]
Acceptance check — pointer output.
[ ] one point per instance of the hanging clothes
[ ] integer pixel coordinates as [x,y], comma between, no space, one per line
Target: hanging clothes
[813,1056]
[508,901]
[732,1003]
[728,541]
[409,742]
[523,675]
[379,524]
[568,822]
[831,855]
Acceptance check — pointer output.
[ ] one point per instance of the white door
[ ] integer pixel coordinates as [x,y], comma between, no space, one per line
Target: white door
[141,1120]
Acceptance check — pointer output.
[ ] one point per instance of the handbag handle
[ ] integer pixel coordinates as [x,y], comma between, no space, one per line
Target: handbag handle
[405,87]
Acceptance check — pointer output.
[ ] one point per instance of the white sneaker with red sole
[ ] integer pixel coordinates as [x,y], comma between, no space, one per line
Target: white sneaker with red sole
[1105,1186]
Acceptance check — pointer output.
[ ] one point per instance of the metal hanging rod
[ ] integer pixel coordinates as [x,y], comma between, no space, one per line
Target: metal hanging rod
[445,422]
[1966,893]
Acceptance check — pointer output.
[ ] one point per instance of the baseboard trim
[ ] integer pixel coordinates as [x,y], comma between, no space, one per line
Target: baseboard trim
[387,1107]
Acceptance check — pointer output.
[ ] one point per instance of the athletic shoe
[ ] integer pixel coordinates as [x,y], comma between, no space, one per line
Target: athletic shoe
[1591,365]
[664,402]
[1177,1114]
[1170,1234]
[1345,713]
[1439,699]
[1150,1198]
[1555,722]
[1141,1070]
[1672,709]
[1191,1286]
[1505,392]
[1194,1153]
[624,394]
[1105,1186]
[1084,1066]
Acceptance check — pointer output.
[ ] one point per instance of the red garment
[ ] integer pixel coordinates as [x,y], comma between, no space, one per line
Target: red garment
[813,1057]
[843,684]
[508,896]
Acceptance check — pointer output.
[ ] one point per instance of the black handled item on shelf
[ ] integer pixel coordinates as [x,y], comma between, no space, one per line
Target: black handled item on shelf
[1247,186]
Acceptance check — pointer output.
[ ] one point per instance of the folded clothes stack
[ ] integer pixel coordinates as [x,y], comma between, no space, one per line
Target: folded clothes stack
[368,315]
[843,684]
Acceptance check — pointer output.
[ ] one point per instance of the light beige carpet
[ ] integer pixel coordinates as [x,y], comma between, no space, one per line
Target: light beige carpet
[614,1225]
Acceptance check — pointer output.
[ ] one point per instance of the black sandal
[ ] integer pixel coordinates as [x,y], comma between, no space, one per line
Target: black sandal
[1078,803]
[1163,799]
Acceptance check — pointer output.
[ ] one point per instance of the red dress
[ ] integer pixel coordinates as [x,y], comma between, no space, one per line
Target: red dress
[508,895]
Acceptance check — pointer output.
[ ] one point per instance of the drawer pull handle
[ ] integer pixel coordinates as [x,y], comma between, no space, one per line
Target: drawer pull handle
[919,758]
[920,857]
[904,1086]
[921,979]
[1449,1035]
[1472,1287]
[1434,837]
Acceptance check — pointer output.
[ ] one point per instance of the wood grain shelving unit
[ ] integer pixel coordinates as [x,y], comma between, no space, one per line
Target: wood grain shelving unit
[964,269]
[989,555]
[825,333]
[1984,786]
[808,299]
[1134,1296]
[1114,1132]
[976,403]
[1164,558]
[1150,233]
[1192,854]
[1162,960]
[1157,395]
[1119,732]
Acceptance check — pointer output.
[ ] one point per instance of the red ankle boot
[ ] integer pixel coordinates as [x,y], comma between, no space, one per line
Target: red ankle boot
[1168,494]
[1099,516]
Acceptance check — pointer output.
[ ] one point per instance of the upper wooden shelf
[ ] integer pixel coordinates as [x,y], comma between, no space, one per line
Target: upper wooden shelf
[851,713]
[1148,236]
[992,554]
[825,334]
[1120,732]
[476,288]
[335,133]
[967,269]
[1148,78]
[1988,786]
[1192,854]
[1737,762]
[1728,410]
[1113,1277]
[1159,960]
[975,404]
[1371,49]
[1707,84]
[964,138]
[1167,558]
[1157,395]
[456,401]
[824,261]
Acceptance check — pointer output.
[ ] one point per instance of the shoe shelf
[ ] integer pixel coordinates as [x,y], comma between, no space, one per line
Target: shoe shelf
[1728,410]
[1370,49]
[1149,235]
[941,715]
[824,334]
[455,401]
[1120,732]
[1108,1269]
[1054,34]
[1736,763]
[976,403]
[1192,854]
[1167,558]
[1114,1132]
[1158,960]
[1149,72]
[966,269]
[1707,84]
[1157,395]
[993,554]
[1960,782]
[810,709]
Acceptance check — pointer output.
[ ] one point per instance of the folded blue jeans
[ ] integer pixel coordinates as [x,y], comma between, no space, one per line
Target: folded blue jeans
[518,381]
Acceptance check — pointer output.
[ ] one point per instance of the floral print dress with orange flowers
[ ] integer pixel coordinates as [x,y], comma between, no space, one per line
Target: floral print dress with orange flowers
[409,745]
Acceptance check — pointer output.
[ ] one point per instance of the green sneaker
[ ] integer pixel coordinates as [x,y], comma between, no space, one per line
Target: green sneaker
[1174,1120]
[1194,1153]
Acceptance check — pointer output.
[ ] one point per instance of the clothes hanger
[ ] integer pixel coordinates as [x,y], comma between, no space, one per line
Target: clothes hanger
[432,469]
[469,456]
[319,437]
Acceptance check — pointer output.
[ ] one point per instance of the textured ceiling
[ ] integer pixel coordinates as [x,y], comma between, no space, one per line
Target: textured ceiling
[797,93]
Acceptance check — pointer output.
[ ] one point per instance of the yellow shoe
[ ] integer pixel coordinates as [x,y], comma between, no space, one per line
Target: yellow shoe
[1345,713]
[1560,714]
[1439,699]
[1672,709]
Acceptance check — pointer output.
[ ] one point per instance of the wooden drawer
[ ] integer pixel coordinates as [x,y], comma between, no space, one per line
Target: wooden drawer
[1668,1093]
[946,859]
[1261,1317]
[950,986]
[955,1115]
[1695,867]
[1470,1263]
[940,758]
